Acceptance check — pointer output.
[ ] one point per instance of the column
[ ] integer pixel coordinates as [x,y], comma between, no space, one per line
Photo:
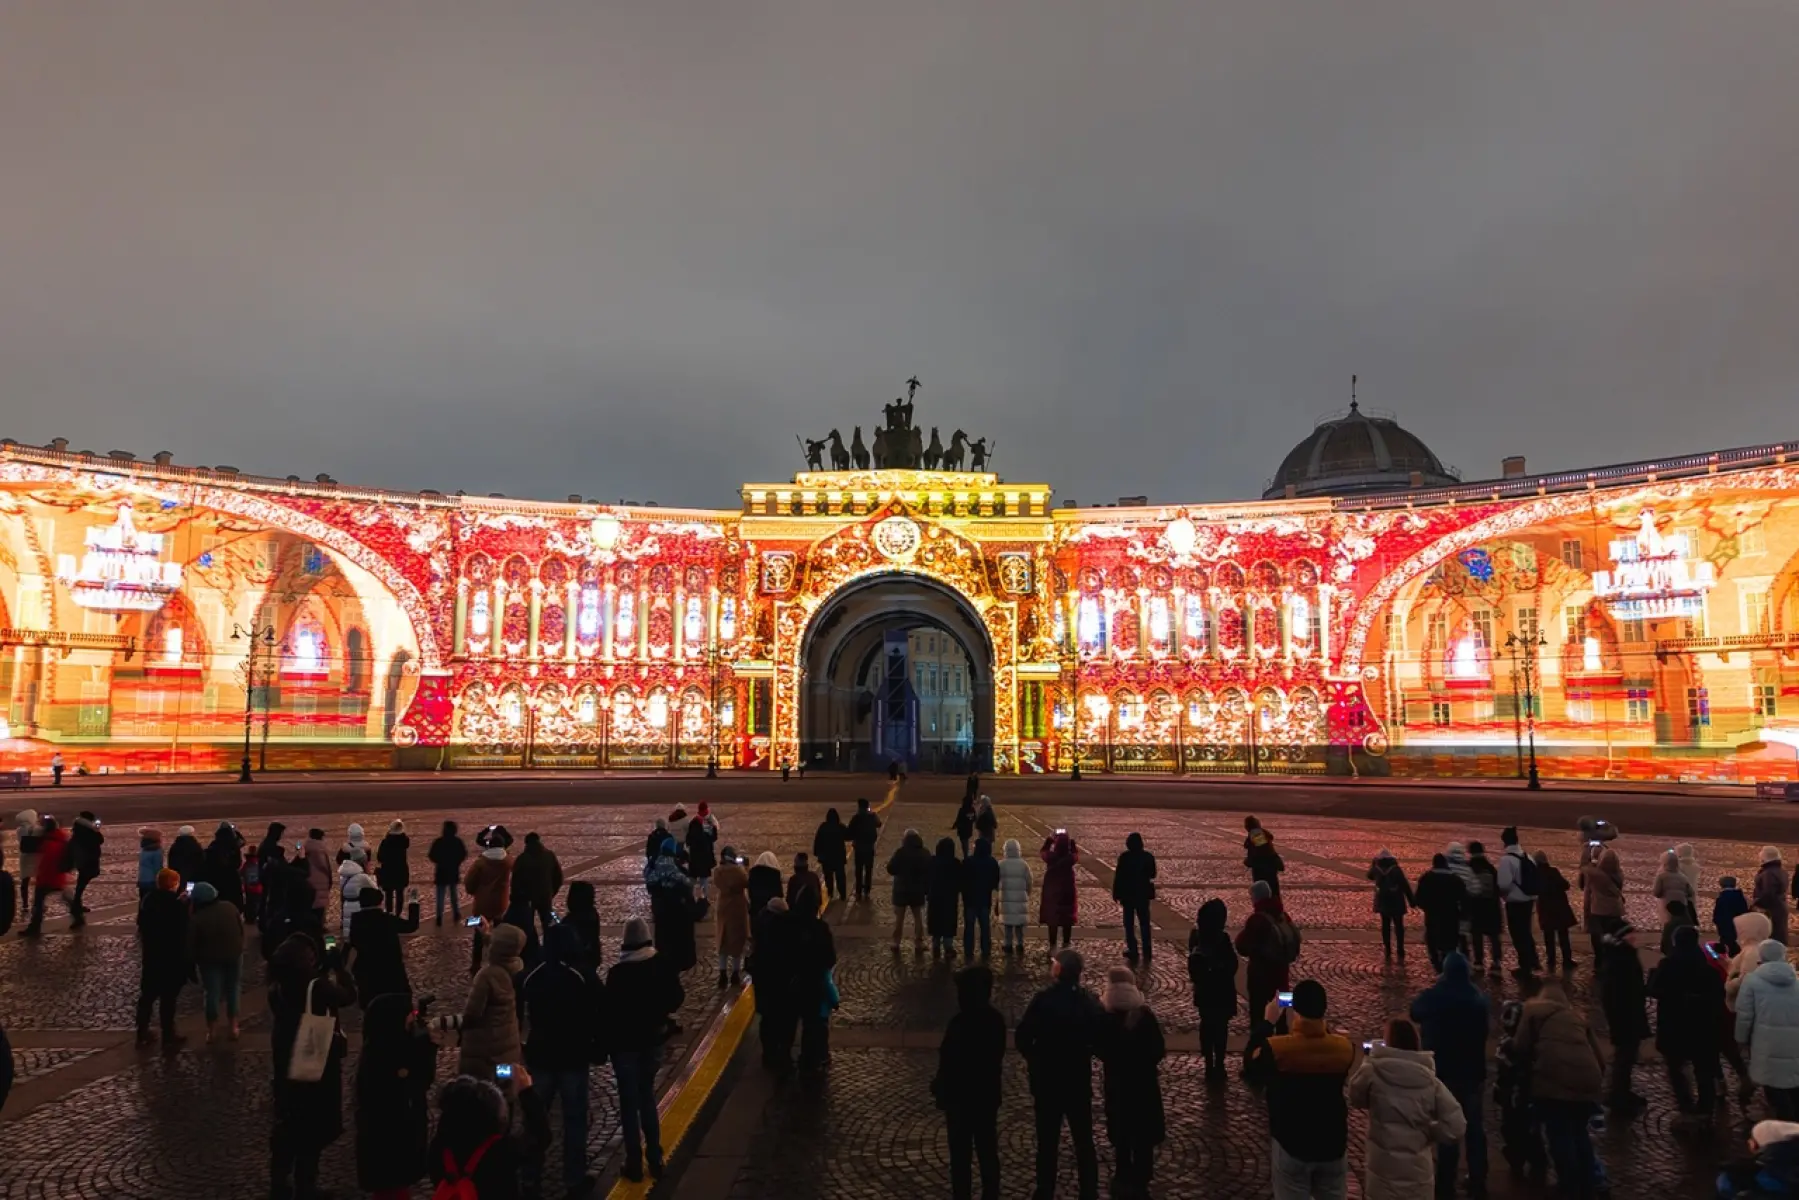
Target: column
[497,622]
[535,620]
[1143,624]
[679,625]
[571,618]
[609,617]
[459,638]
[1177,641]
[1284,614]
[643,621]
[1324,622]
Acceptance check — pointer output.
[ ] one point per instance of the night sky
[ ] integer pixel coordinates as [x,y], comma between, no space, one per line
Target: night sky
[630,249]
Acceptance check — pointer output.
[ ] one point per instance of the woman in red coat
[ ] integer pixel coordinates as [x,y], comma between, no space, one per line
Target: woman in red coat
[1056,909]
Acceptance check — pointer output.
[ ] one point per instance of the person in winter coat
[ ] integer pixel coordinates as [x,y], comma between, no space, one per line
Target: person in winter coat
[980,881]
[1679,916]
[85,841]
[1729,905]
[943,894]
[1602,885]
[672,908]
[563,1004]
[1555,914]
[1014,896]
[642,991]
[652,845]
[1626,1003]
[830,850]
[1768,1023]
[393,1086]
[1689,996]
[1410,1111]
[1752,929]
[30,833]
[1689,867]
[150,860]
[1452,1020]
[986,822]
[963,825]
[1259,855]
[224,865]
[478,1141]
[536,878]
[863,832]
[215,946]
[1133,887]
[1567,1079]
[490,1019]
[803,879]
[352,882]
[1770,894]
[1485,909]
[1304,1067]
[162,940]
[446,855]
[773,964]
[583,916]
[321,876]
[378,963]
[1442,895]
[355,848]
[1130,1044]
[187,857]
[815,988]
[910,867]
[1269,941]
[731,915]
[393,868]
[1772,1170]
[967,1084]
[764,882]
[488,882]
[702,848]
[308,1117]
[1057,1036]
[1057,907]
[1672,884]
[1392,900]
[1212,970]
[271,863]
[52,879]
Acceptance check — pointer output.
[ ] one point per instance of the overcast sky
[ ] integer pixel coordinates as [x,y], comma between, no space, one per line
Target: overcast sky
[630,249]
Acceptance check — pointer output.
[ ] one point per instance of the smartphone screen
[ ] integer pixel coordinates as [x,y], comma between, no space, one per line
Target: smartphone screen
[503,1072]
[330,943]
[472,922]
[188,891]
[1285,998]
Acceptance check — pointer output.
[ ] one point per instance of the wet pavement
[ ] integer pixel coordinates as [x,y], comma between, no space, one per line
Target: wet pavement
[196,1123]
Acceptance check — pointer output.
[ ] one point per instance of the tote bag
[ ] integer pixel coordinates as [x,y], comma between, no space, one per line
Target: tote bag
[312,1044]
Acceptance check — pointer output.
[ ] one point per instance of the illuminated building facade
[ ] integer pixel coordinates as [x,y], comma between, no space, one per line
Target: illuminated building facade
[1639,621]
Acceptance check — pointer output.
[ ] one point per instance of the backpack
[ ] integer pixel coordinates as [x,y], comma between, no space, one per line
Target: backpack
[458,1183]
[1530,879]
[1282,949]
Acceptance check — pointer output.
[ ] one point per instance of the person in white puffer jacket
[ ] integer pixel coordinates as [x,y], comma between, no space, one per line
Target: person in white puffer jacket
[351,880]
[1410,1112]
[1014,895]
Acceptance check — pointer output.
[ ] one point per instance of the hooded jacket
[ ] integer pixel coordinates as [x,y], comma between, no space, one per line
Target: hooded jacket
[1131,1046]
[1392,891]
[1671,884]
[85,840]
[980,877]
[379,964]
[1212,963]
[319,872]
[967,1083]
[1014,886]
[355,848]
[1753,928]
[354,881]
[1554,910]
[30,832]
[864,830]
[490,1030]
[1410,1112]
[1057,1037]
[1689,996]
[1305,1071]
[1603,883]
[536,873]
[215,933]
[149,858]
[764,882]
[1730,904]
[1771,896]
[1768,1019]
[486,883]
[830,845]
[1566,1062]
[187,857]
[224,864]
[392,867]
[1057,901]
[1452,1019]
[910,867]
[447,854]
[563,1006]
[945,890]
[731,908]
[394,1074]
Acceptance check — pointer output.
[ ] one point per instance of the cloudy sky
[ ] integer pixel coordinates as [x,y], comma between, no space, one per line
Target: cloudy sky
[630,249]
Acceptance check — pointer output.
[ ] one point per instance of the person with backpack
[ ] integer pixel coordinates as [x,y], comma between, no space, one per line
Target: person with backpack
[1392,900]
[1259,855]
[393,871]
[642,991]
[475,1153]
[1212,970]
[447,854]
[1271,942]
[1519,885]
[1485,912]
[1133,887]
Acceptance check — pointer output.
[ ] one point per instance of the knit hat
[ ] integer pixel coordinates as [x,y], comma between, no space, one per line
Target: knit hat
[1259,891]
[1767,1133]
[1770,854]
[205,893]
[397,827]
[705,808]
[185,831]
[637,934]
[1727,881]
[167,880]
[1773,951]
[1309,999]
[355,831]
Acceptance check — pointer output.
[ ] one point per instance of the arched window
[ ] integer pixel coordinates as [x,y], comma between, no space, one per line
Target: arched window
[727,619]
[693,624]
[587,618]
[1196,619]
[656,711]
[1160,628]
[306,650]
[480,613]
[625,624]
[171,644]
[1092,624]
[586,709]
[512,709]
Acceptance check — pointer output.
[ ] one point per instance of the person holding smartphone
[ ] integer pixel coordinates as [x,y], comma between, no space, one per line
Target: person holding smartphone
[1689,1010]
[1304,1068]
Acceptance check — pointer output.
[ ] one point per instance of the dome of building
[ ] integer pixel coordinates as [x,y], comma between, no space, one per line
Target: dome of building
[1358,452]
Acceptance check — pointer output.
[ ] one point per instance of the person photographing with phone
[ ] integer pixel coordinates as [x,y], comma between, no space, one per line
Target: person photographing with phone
[307,987]
[1304,1068]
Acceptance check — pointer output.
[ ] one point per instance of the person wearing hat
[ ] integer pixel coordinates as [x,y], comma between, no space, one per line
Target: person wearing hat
[1451,1015]
[187,857]
[1057,1036]
[1770,894]
[1626,1002]
[150,860]
[1768,1023]
[642,992]
[85,840]
[215,945]
[1304,1068]
[1566,1080]
[393,867]
[162,942]
[731,914]
[1689,1008]
[1270,942]
[1772,1168]
[490,1025]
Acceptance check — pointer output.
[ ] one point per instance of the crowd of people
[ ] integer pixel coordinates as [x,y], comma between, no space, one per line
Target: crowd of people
[541,1011]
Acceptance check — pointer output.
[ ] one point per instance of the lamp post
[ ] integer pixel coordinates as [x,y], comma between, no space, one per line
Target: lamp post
[1511,644]
[712,714]
[1530,645]
[1072,665]
[256,635]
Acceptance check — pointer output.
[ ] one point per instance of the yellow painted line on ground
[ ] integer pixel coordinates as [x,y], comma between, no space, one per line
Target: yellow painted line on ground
[681,1107]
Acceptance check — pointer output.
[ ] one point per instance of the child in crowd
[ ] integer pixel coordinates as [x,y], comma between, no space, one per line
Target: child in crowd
[149,860]
[1730,904]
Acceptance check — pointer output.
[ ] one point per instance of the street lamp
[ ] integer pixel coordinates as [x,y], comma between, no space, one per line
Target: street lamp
[1530,644]
[1072,697]
[256,635]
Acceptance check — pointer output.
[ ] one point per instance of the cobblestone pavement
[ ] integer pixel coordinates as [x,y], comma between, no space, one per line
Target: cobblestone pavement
[196,1123]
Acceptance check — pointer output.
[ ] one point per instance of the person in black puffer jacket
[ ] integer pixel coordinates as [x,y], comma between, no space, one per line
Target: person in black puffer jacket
[378,964]
[392,870]
[1134,886]
[910,867]
[447,854]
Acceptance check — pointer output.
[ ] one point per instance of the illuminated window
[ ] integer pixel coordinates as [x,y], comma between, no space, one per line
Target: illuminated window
[656,712]
[1762,699]
[1482,621]
[1436,629]
[693,624]
[1589,655]
[1574,622]
[1396,632]
[1634,629]
[1159,624]
[1302,621]
[1439,713]
[1757,615]
[1750,541]
[1092,624]
[1196,618]
[587,617]
[308,656]
[1464,663]
[171,644]
[1527,624]
[480,613]
[1580,707]
[1571,553]
[727,619]
[626,621]
[1699,707]
[312,560]
[585,709]
[512,710]
[1639,706]
[727,713]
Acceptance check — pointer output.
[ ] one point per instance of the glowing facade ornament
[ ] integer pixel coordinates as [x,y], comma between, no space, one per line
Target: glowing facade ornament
[656,711]
[603,531]
[1590,660]
[480,613]
[1159,625]
[693,624]
[308,654]
[585,709]
[512,710]
[587,617]
[626,621]
[727,619]
[171,644]
[897,539]
[1464,660]
[1196,618]
[1091,631]
[121,569]
[1653,576]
